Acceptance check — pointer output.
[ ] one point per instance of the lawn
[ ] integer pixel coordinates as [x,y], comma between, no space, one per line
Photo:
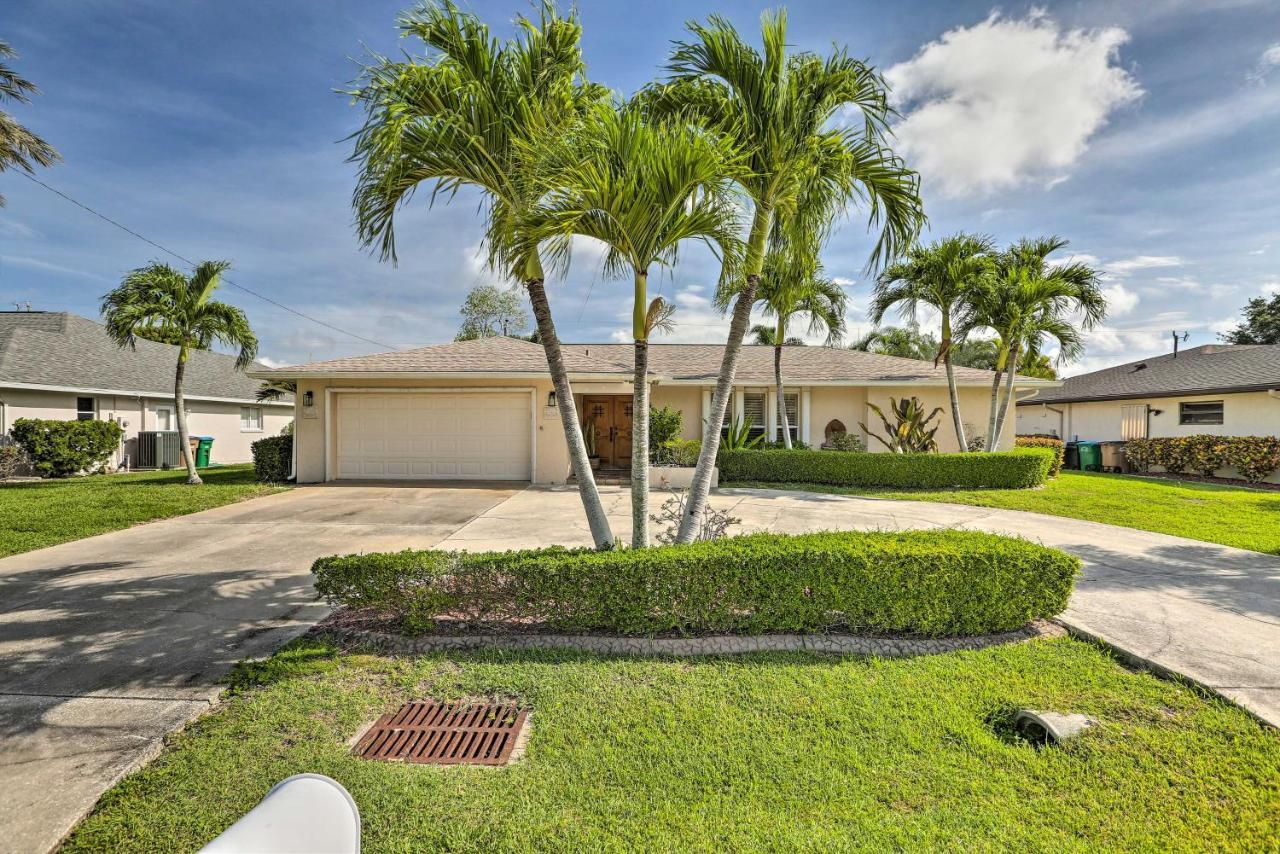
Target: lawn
[1244,518]
[49,512]
[779,751]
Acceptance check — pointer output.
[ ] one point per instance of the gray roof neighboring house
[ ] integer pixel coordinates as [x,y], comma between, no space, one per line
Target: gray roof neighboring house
[64,350]
[676,363]
[1208,369]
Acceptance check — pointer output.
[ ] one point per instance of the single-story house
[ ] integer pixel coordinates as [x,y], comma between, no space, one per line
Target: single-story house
[1220,389]
[486,410]
[58,365]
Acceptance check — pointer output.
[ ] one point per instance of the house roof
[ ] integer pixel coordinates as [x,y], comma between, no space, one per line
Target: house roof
[692,363]
[1208,369]
[46,348]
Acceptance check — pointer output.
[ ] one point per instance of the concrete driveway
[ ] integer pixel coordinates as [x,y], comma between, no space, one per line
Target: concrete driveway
[109,643]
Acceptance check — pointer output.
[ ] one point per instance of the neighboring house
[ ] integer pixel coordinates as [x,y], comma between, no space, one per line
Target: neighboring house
[58,365]
[485,409]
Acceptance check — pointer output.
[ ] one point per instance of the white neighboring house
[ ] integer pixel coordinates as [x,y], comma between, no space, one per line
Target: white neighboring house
[57,365]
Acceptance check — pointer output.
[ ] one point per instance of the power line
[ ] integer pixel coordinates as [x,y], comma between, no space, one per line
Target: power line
[188,261]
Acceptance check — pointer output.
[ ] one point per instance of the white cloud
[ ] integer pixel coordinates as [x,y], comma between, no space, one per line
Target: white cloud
[1271,288]
[1120,300]
[272,363]
[1007,101]
[1142,262]
[1269,60]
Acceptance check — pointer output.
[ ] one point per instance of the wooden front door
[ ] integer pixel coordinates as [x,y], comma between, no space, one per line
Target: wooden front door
[611,414]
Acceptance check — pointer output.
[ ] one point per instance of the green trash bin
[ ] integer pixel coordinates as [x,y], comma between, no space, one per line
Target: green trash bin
[1090,456]
[203,451]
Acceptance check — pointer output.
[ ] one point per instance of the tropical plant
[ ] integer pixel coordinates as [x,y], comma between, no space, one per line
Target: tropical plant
[664,426]
[589,431]
[19,147]
[488,311]
[642,188]
[804,166]
[1029,301]
[845,442]
[946,276]
[910,431]
[476,113]
[275,390]
[159,297]
[792,285]
[737,437]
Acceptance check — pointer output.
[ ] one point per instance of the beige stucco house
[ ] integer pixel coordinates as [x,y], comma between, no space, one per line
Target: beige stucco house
[57,365]
[485,409]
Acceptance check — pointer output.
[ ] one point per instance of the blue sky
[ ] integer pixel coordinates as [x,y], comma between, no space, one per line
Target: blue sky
[1144,131]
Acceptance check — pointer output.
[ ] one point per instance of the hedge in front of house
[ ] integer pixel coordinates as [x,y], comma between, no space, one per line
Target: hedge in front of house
[272,457]
[1058,447]
[934,583]
[1017,469]
[63,448]
[1255,457]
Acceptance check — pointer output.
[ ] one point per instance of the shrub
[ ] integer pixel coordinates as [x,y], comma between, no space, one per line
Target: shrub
[934,583]
[680,452]
[796,445]
[64,448]
[272,458]
[845,442]
[1254,457]
[1016,469]
[664,426]
[12,460]
[1058,447]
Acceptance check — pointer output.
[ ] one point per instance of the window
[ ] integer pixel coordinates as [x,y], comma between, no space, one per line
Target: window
[1200,412]
[86,409]
[753,412]
[251,419]
[164,418]
[793,416]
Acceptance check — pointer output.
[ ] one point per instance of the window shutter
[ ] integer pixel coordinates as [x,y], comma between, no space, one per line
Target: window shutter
[753,411]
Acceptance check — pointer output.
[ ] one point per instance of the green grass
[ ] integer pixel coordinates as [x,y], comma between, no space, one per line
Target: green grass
[778,751]
[49,512]
[1244,518]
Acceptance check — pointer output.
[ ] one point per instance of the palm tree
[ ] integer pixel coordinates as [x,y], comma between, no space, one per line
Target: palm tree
[641,188]
[476,113]
[946,276]
[159,297]
[1029,301]
[803,167]
[19,147]
[789,288]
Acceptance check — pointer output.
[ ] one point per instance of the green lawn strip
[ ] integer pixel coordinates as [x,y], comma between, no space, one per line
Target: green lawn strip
[49,512]
[777,751]
[1244,518]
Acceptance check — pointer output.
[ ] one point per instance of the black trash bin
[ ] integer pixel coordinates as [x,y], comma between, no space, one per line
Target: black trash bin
[1071,457]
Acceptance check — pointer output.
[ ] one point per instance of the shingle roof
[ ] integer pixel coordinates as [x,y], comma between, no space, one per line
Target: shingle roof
[63,349]
[1208,368]
[674,362]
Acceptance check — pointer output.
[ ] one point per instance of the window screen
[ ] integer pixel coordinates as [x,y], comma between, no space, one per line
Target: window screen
[1200,412]
[793,416]
[250,418]
[86,410]
[753,412]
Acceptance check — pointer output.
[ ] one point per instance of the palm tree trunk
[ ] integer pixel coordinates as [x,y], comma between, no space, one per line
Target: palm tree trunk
[1008,393]
[180,412]
[597,519]
[700,488]
[781,392]
[640,448]
[955,404]
[990,443]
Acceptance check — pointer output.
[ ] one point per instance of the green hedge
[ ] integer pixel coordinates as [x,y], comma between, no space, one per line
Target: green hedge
[272,458]
[935,583]
[63,448]
[1255,457]
[1058,447]
[1016,469]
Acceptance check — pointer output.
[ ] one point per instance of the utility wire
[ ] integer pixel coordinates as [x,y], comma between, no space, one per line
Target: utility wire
[249,291]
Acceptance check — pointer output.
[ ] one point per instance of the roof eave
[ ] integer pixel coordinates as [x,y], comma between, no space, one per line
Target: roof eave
[1098,398]
[287,374]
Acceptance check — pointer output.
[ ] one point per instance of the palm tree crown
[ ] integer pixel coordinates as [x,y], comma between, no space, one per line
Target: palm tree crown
[19,147]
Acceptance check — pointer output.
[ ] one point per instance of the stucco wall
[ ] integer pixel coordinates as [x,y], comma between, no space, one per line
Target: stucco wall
[1245,414]
[975,405]
[687,399]
[205,418]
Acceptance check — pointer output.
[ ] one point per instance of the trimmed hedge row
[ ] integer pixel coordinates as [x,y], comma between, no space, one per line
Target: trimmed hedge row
[1254,457]
[64,448]
[1017,469]
[934,583]
[1058,447]
[272,458]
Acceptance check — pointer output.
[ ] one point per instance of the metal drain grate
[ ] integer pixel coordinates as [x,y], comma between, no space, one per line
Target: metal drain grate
[445,734]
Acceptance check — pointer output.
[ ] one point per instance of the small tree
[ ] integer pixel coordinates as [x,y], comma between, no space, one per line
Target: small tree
[1261,323]
[489,311]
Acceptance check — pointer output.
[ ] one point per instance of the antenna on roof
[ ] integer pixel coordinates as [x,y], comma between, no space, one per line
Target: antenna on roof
[1176,338]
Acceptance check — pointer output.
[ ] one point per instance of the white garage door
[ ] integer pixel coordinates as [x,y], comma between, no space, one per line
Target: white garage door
[442,436]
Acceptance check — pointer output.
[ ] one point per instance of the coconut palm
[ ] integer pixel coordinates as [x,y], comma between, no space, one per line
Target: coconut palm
[1030,301]
[804,167]
[790,288]
[641,188]
[159,297]
[19,147]
[946,276]
[475,113]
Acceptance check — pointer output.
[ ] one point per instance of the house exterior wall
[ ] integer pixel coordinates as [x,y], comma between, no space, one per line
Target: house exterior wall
[218,419]
[975,404]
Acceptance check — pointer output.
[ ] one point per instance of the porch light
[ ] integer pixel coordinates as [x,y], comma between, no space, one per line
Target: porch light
[308,398]
[551,399]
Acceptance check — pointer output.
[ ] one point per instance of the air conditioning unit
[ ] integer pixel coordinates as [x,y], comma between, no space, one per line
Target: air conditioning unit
[159,449]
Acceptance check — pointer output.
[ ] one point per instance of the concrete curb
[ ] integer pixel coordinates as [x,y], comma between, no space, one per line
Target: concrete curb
[884,647]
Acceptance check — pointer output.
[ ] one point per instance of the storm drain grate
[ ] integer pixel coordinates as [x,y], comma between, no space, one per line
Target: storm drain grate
[445,734]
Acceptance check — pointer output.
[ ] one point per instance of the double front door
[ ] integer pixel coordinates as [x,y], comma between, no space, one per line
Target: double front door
[611,415]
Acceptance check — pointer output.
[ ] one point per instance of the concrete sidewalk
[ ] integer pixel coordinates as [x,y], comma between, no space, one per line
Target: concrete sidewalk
[1208,612]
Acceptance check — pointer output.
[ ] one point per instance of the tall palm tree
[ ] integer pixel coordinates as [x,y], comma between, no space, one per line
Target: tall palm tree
[789,288]
[947,276]
[19,147]
[476,113]
[159,297]
[804,167]
[642,189]
[1031,300]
